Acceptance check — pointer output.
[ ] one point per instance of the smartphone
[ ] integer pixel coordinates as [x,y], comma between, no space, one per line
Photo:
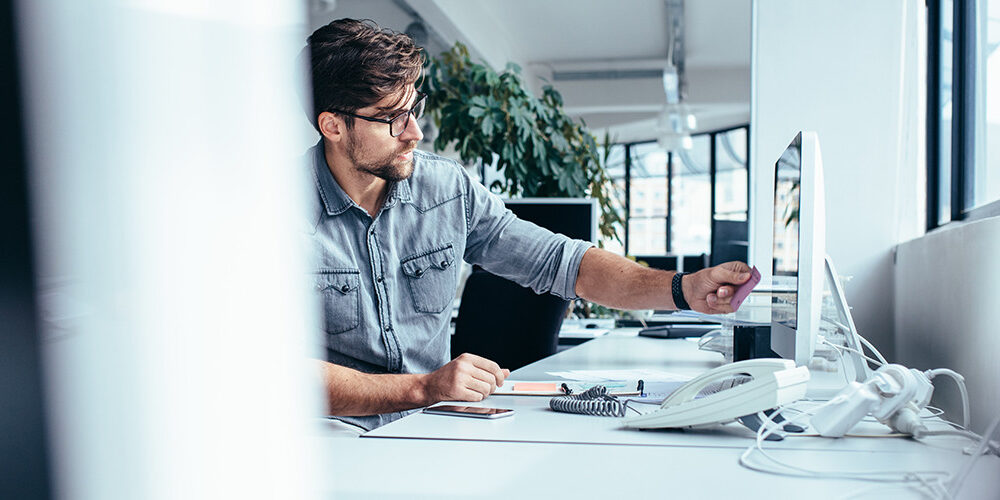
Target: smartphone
[469,411]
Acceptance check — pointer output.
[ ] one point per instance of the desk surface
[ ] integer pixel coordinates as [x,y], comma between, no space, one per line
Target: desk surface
[545,453]
[534,422]
[421,468]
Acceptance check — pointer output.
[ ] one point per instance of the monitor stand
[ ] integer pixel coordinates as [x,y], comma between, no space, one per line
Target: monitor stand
[823,384]
[861,370]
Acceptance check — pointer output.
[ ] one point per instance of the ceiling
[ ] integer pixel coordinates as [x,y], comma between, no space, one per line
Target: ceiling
[605,57]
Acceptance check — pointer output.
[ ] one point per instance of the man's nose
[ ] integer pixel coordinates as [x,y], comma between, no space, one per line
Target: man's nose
[412,131]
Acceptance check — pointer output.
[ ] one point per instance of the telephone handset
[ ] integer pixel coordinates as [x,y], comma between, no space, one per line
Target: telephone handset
[770,383]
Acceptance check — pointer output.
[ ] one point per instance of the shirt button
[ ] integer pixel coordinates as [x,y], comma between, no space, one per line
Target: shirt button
[444,263]
[379,279]
[418,273]
[345,288]
[388,330]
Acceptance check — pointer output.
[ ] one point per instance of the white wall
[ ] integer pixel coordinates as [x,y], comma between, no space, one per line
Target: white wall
[947,314]
[851,71]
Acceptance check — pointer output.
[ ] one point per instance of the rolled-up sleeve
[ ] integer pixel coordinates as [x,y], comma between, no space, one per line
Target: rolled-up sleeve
[519,250]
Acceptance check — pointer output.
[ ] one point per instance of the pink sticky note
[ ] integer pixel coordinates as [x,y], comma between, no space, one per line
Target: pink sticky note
[744,290]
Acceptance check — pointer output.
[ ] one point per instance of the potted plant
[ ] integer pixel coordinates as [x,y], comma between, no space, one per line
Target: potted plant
[490,116]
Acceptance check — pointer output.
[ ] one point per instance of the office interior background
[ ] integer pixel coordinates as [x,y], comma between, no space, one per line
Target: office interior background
[136,127]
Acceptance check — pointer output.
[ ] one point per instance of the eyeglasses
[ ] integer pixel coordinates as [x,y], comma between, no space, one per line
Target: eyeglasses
[399,122]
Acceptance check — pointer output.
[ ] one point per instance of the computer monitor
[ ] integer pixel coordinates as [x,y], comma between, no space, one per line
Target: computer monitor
[798,249]
[573,217]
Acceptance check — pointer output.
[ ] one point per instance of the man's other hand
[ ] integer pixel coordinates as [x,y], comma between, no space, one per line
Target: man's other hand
[466,378]
[710,290]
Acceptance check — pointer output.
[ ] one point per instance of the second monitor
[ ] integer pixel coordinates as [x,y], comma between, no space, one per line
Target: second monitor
[573,217]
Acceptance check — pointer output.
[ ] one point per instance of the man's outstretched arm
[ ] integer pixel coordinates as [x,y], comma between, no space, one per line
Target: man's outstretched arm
[617,282]
[353,393]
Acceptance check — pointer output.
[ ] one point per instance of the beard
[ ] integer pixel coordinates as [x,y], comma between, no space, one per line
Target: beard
[387,166]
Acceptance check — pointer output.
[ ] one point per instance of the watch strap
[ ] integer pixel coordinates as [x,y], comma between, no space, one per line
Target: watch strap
[678,292]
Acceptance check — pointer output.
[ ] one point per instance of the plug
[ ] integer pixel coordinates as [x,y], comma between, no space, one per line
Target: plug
[907,421]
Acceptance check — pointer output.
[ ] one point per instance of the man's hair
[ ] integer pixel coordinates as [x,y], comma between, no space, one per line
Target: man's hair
[356,64]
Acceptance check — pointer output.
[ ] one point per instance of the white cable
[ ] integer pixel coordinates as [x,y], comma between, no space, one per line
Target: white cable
[960,380]
[872,349]
[855,351]
[955,484]
[935,411]
[937,487]
[948,432]
[932,481]
[840,356]
[768,427]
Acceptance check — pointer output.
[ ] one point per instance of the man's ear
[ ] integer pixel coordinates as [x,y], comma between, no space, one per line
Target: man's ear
[331,126]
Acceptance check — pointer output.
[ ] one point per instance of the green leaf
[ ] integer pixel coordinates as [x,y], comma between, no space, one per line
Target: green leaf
[539,149]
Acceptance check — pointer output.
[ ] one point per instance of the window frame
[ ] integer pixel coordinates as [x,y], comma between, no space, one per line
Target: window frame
[712,171]
[963,123]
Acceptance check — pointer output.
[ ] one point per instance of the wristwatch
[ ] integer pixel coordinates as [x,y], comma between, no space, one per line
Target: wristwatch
[678,292]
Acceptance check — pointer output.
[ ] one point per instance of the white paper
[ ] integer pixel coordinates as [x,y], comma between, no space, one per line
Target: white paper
[648,375]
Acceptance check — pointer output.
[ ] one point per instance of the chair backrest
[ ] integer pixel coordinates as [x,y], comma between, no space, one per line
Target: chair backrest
[693,263]
[664,262]
[729,241]
[505,322]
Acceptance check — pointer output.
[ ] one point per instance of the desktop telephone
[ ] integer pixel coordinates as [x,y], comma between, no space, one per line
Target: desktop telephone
[754,385]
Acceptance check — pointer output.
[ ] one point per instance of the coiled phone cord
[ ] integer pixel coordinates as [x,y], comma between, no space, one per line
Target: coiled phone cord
[593,401]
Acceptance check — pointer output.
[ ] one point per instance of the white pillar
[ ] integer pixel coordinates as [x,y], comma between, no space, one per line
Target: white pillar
[164,142]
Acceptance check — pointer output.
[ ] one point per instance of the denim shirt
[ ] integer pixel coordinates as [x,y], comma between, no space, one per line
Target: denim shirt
[387,284]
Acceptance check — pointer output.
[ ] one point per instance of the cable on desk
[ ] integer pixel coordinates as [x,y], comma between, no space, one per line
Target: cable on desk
[593,401]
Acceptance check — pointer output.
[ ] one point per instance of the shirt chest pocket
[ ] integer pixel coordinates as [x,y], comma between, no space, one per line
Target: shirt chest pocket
[432,277]
[338,290]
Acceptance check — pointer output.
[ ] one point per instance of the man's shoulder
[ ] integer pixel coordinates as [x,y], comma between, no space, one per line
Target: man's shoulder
[431,164]
[436,179]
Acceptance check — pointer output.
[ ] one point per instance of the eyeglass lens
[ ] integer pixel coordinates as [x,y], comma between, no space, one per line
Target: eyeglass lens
[399,123]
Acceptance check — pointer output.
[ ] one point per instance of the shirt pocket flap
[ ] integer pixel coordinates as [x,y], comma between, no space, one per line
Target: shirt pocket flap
[342,282]
[442,258]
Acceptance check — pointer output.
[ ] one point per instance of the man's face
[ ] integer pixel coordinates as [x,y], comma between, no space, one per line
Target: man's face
[371,148]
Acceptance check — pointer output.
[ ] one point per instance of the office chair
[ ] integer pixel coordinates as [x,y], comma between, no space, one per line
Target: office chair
[505,322]
[729,241]
[664,262]
[693,263]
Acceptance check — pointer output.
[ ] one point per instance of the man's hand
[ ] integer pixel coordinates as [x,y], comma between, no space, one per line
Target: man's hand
[710,290]
[466,378]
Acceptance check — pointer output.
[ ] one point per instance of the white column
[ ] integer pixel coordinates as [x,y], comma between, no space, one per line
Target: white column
[164,140]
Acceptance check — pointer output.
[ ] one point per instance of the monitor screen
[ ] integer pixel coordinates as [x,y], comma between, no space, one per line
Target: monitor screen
[573,217]
[787,198]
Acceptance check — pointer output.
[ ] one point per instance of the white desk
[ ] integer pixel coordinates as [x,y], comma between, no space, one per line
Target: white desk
[423,468]
[538,449]
[534,422]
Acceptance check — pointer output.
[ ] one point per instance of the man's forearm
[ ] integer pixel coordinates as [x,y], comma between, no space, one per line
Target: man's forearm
[614,281]
[353,393]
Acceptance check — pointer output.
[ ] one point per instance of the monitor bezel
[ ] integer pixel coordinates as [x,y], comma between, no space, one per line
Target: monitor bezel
[594,209]
[799,343]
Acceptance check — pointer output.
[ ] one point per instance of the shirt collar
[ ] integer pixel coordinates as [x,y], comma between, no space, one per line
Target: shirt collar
[335,200]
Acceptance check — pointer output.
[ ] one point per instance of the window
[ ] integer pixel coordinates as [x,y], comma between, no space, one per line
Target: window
[731,191]
[669,200]
[691,206]
[648,216]
[986,172]
[963,109]
[615,166]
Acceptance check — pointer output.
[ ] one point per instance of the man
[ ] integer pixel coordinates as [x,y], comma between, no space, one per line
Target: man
[391,224]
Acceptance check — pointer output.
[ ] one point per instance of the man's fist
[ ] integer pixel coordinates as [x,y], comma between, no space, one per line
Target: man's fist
[710,290]
[466,378]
